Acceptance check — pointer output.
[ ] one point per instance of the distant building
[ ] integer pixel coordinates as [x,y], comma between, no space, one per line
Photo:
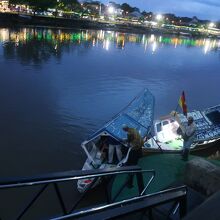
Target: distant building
[117,10]
[194,21]
[3,5]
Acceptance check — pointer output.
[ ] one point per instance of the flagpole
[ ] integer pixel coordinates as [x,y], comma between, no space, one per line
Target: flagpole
[176,109]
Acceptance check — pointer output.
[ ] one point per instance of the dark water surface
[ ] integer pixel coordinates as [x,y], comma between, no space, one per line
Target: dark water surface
[58,86]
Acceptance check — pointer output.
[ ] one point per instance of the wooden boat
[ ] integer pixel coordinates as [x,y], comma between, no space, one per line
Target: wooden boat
[166,139]
[138,114]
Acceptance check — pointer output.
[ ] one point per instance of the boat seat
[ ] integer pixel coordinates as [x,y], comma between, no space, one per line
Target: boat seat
[124,160]
[96,155]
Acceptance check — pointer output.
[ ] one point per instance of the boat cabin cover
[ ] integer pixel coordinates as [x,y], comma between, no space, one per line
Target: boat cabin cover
[138,114]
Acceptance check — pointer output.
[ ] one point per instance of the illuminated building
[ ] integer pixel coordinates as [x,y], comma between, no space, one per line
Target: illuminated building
[3,5]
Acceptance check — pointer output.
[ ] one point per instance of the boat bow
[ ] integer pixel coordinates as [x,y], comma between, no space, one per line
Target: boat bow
[138,114]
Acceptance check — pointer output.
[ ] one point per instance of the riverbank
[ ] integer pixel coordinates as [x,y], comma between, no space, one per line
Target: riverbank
[10,19]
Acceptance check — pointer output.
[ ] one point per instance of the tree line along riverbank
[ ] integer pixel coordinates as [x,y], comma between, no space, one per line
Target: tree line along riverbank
[10,19]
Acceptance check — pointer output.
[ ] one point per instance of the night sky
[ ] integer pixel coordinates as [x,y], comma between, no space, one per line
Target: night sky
[203,9]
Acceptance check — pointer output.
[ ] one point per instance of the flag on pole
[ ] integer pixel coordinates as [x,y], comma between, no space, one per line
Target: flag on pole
[182,103]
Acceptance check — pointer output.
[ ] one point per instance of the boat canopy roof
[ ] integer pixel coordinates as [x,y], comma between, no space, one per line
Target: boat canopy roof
[138,114]
[207,123]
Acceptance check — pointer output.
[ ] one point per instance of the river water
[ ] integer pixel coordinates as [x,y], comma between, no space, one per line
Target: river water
[58,86]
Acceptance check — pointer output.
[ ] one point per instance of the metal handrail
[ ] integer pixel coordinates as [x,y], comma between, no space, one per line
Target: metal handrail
[149,182]
[123,202]
[23,183]
[57,178]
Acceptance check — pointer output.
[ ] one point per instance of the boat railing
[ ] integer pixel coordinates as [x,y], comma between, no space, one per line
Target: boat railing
[56,178]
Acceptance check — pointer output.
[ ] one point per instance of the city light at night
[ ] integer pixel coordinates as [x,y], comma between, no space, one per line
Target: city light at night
[111,10]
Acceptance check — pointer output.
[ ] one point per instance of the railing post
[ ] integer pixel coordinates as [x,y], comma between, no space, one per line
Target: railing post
[60,198]
[150,212]
[32,201]
[183,206]
[82,197]
[108,187]
[140,182]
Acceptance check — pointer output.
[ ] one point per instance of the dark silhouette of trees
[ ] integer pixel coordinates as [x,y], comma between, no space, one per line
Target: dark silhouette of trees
[36,5]
[69,5]
[17,2]
[127,8]
[41,5]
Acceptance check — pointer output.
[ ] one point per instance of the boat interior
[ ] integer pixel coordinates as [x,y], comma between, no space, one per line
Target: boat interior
[97,158]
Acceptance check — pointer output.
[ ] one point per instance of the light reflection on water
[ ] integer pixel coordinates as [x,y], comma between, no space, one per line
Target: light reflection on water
[105,38]
[59,86]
